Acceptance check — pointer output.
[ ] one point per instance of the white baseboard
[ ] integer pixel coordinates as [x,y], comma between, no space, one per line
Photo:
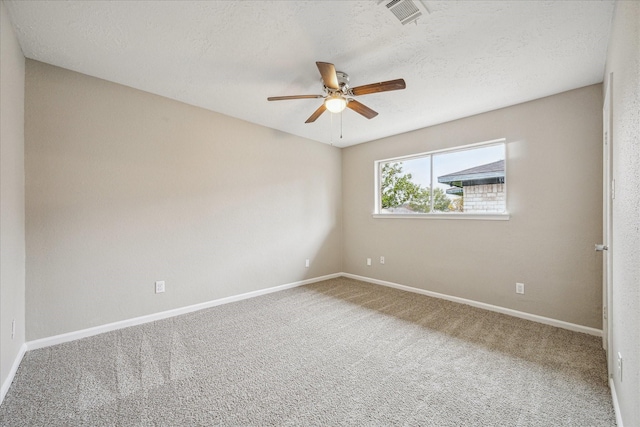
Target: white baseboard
[72,336]
[616,406]
[12,373]
[498,309]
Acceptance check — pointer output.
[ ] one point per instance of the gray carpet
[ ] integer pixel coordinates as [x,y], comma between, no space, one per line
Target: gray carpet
[339,352]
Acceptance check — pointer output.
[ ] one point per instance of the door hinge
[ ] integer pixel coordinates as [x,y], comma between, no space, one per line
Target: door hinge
[604,312]
[613,189]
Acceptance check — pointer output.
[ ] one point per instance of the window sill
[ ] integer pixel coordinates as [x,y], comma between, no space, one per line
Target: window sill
[476,216]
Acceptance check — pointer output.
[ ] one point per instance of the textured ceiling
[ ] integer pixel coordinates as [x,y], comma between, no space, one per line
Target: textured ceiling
[460,59]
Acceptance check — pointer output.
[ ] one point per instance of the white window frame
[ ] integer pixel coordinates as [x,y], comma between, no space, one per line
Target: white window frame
[497,216]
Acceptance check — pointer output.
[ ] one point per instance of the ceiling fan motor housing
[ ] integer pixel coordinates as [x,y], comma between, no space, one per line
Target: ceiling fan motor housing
[343,82]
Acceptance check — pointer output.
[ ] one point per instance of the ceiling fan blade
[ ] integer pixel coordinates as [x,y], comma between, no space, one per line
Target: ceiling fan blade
[361,109]
[379,87]
[282,98]
[316,114]
[328,73]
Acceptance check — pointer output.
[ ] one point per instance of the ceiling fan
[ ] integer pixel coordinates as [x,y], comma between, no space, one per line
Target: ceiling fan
[338,95]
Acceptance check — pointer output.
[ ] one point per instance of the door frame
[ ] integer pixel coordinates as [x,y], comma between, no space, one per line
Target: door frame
[608,194]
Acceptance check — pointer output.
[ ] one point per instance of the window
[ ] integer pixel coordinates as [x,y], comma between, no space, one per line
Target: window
[464,180]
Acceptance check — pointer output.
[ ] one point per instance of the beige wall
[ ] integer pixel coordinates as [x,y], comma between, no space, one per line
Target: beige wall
[554,196]
[624,62]
[125,188]
[12,225]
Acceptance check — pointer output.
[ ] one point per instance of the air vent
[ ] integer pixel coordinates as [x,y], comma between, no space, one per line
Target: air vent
[405,10]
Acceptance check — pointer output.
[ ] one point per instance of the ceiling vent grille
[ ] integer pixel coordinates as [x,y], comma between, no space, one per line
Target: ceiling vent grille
[405,10]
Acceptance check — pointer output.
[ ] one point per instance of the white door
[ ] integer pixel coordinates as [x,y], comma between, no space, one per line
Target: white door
[608,193]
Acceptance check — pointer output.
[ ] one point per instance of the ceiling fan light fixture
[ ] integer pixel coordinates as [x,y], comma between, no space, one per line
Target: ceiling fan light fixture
[335,103]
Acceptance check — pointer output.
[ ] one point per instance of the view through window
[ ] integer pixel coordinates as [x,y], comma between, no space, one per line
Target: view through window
[463,180]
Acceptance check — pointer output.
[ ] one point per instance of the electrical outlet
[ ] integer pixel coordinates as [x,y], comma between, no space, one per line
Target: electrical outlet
[306,263]
[519,288]
[159,286]
[381,260]
[368,261]
[619,365]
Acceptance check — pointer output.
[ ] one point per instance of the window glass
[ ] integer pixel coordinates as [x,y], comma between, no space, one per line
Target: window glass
[405,186]
[463,180]
[472,180]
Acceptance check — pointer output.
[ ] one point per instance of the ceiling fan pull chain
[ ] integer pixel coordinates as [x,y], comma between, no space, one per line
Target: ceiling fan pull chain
[341,123]
[331,130]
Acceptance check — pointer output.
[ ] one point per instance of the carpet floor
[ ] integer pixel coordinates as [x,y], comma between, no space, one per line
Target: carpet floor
[339,352]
